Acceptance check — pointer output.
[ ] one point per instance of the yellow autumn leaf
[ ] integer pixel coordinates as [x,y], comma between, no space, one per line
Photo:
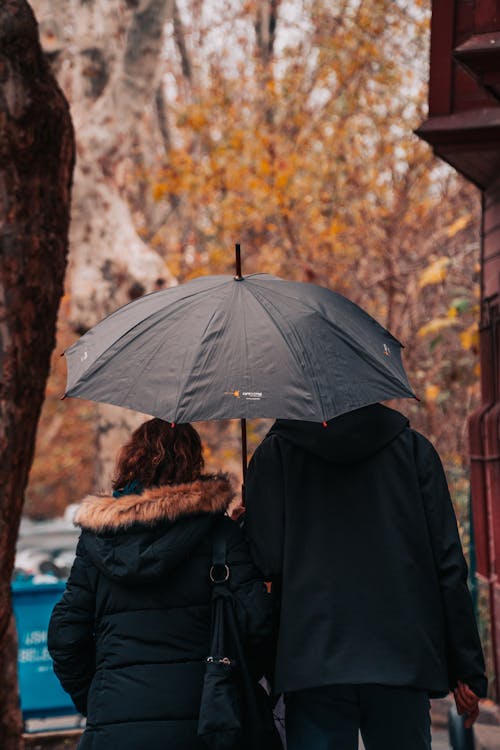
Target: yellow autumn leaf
[458,225]
[265,167]
[452,312]
[335,228]
[436,325]
[159,190]
[470,337]
[197,118]
[281,180]
[434,273]
[432,392]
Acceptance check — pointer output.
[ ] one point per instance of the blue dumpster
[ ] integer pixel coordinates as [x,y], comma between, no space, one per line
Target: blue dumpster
[41,694]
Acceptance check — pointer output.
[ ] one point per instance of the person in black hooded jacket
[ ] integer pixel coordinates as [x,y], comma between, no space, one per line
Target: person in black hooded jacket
[130,636]
[354,525]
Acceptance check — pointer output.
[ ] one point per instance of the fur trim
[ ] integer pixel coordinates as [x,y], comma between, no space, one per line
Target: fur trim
[167,503]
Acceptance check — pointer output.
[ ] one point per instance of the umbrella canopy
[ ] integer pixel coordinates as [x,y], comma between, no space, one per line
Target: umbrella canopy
[223,347]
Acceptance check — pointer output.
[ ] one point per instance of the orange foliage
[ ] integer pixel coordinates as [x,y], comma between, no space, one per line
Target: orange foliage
[308,159]
[62,471]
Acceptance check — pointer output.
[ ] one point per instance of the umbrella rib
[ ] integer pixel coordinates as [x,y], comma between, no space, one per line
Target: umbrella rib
[194,359]
[97,363]
[303,301]
[303,352]
[145,364]
[154,352]
[372,360]
[95,366]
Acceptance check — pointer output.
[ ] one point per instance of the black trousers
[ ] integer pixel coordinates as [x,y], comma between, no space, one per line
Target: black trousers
[329,718]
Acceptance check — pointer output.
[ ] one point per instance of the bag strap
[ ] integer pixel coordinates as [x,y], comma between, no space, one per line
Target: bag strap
[219,575]
[219,570]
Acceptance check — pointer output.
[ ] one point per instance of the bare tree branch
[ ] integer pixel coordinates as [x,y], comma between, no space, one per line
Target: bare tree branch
[162,117]
[265,28]
[180,40]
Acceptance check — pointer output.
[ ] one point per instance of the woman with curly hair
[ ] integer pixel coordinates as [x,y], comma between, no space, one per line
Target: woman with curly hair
[130,636]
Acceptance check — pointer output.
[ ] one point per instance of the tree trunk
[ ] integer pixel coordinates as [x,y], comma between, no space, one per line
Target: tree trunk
[266,19]
[36,165]
[107,57]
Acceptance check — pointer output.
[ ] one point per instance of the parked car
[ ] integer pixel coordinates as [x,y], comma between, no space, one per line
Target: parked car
[46,549]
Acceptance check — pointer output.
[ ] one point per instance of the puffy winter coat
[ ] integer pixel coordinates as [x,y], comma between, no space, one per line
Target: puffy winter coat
[131,632]
[355,523]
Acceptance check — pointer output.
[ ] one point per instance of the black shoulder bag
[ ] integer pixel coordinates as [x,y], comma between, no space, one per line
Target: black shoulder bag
[235,711]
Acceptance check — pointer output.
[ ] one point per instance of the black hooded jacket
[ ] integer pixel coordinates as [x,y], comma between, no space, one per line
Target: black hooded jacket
[355,524]
[131,634]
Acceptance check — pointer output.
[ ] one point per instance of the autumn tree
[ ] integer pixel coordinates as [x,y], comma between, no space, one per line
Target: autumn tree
[296,140]
[36,164]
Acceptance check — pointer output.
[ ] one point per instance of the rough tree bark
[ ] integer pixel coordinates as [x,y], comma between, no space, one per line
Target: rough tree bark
[107,56]
[36,165]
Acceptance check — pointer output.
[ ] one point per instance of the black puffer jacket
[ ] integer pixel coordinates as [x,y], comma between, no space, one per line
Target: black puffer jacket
[356,523]
[130,635]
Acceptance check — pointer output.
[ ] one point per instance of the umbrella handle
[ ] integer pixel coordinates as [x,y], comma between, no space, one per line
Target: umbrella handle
[243,423]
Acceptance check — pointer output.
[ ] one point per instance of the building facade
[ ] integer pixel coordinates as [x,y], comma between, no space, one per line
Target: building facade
[463,129]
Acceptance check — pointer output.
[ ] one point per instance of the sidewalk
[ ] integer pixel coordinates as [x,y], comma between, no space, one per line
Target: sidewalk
[486,729]
[439,740]
[486,737]
[486,732]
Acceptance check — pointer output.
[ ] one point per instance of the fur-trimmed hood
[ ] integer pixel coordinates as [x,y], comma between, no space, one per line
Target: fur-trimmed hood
[100,513]
[139,537]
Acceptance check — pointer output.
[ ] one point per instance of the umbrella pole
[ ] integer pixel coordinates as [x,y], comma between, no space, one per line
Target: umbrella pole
[243,458]
[243,422]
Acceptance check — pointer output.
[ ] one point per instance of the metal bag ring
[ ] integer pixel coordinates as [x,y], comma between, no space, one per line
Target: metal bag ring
[219,580]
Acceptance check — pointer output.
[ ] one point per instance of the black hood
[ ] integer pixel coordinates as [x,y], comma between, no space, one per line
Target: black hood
[136,538]
[140,554]
[349,438]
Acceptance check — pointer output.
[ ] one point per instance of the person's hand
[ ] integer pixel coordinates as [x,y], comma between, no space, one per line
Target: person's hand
[237,512]
[467,703]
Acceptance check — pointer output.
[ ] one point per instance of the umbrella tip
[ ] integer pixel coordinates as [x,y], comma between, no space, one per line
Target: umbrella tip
[172,425]
[62,397]
[237,249]
[325,424]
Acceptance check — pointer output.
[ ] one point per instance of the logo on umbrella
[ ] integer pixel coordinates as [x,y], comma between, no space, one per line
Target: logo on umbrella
[249,395]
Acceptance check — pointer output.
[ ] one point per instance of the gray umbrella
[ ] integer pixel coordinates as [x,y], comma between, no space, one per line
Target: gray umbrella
[223,347]
[219,347]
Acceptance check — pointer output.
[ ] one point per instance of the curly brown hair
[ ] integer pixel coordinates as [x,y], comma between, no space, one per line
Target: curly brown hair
[159,453]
